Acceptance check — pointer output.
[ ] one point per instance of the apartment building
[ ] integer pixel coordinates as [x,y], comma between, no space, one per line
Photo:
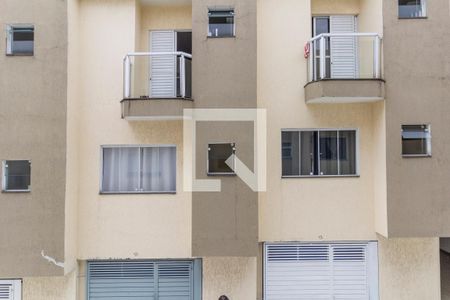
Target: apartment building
[97,197]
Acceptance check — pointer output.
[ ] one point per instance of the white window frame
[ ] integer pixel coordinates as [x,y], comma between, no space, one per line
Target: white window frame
[102,147]
[16,287]
[356,130]
[4,187]
[233,173]
[428,154]
[214,9]
[9,39]
[423,4]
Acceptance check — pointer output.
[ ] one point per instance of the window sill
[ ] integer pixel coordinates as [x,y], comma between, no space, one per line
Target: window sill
[137,193]
[412,18]
[416,155]
[221,174]
[321,176]
[20,54]
[15,191]
[221,37]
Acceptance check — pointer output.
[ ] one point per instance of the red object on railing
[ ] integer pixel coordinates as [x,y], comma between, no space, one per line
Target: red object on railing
[306,50]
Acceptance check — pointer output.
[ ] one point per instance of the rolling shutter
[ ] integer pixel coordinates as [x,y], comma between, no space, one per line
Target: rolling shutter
[10,289]
[321,271]
[143,280]
[344,58]
[163,67]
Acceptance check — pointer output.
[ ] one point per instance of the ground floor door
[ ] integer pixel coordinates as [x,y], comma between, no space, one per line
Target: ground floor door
[321,271]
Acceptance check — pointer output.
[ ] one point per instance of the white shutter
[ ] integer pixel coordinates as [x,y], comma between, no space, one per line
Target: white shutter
[10,289]
[344,60]
[162,68]
[321,271]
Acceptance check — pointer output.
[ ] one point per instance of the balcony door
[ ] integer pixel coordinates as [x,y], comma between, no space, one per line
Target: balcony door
[341,52]
[164,68]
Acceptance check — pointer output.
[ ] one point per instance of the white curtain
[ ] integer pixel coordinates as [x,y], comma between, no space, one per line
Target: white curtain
[121,169]
[159,169]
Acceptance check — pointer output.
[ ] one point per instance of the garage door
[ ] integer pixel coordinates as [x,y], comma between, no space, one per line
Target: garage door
[321,271]
[143,280]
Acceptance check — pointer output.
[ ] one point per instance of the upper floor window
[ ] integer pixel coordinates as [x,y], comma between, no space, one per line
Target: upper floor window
[16,175]
[218,155]
[412,8]
[11,289]
[319,153]
[129,169]
[221,23]
[416,140]
[20,40]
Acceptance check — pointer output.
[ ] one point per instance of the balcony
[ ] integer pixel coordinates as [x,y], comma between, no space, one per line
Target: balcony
[344,68]
[157,85]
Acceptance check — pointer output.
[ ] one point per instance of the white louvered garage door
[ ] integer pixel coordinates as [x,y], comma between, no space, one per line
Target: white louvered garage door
[321,271]
[140,280]
[162,68]
[344,59]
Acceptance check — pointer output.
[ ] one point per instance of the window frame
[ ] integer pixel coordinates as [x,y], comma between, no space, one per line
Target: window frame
[4,189]
[423,5]
[102,147]
[221,173]
[429,142]
[9,38]
[357,146]
[221,10]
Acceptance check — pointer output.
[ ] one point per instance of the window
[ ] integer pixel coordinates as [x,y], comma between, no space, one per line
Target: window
[411,9]
[218,154]
[11,289]
[20,40]
[221,23]
[16,175]
[416,140]
[319,153]
[128,169]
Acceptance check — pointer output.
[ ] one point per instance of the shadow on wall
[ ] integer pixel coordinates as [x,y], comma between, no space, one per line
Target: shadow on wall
[445,275]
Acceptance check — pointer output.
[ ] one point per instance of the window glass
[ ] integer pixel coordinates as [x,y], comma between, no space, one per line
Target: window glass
[217,155]
[290,153]
[221,23]
[319,152]
[411,8]
[139,169]
[17,175]
[416,140]
[20,40]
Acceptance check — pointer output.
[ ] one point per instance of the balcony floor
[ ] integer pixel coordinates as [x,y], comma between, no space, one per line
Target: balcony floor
[140,109]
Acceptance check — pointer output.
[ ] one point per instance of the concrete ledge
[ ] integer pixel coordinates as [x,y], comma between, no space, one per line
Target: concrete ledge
[344,91]
[141,109]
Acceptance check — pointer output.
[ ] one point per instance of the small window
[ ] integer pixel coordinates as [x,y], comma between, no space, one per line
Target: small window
[11,289]
[319,153]
[411,9]
[20,40]
[221,23]
[139,169]
[16,175]
[416,140]
[218,154]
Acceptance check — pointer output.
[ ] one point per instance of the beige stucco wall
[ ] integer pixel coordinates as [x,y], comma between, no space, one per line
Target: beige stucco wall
[121,226]
[409,269]
[50,288]
[234,277]
[334,7]
[301,208]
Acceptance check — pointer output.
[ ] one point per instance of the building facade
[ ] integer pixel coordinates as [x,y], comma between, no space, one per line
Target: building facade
[108,195]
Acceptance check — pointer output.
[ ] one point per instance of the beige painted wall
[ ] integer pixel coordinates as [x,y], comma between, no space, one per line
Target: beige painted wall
[334,7]
[121,226]
[300,208]
[234,277]
[50,288]
[409,269]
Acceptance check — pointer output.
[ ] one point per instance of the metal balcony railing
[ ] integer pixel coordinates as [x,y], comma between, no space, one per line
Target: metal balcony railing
[157,75]
[344,56]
